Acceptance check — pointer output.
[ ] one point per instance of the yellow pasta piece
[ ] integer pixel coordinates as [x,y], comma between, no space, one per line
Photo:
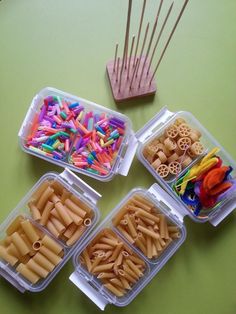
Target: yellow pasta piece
[173,229]
[63,214]
[77,219]
[44,197]
[81,204]
[54,198]
[87,260]
[50,226]
[37,269]
[131,226]
[116,252]
[102,268]
[12,250]
[114,290]
[51,256]
[29,231]
[51,244]
[20,243]
[36,195]
[75,208]
[120,215]
[57,224]
[12,260]
[134,268]
[70,230]
[46,213]
[29,245]
[162,226]
[14,226]
[27,273]
[36,215]
[43,261]
[125,234]
[148,232]
[76,235]
[109,241]
[106,275]
[143,213]
[65,195]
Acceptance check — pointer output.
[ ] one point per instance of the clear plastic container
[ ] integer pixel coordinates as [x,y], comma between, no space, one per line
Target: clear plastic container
[155,128]
[93,287]
[124,155]
[79,189]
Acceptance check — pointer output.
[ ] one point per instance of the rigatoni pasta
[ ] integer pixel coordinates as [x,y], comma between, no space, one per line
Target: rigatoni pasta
[109,259]
[32,253]
[145,226]
[64,215]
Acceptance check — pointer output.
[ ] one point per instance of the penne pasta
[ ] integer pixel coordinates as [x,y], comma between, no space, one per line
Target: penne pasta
[46,213]
[14,226]
[75,208]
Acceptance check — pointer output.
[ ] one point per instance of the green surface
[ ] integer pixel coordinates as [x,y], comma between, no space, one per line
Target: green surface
[66,44]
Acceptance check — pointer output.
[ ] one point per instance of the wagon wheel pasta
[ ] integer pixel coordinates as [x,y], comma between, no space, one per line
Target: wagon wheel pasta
[178,141]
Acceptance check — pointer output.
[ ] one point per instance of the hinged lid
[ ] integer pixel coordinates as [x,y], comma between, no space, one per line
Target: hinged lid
[84,188]
[165,199]
[9,278]
[29,116]
[154,124]
[218,216]
[88,290]
[126,161]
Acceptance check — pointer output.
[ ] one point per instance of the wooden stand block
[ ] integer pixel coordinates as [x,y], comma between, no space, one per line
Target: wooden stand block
[125,92]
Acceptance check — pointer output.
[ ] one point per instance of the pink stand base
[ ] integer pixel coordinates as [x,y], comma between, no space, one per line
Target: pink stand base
[125,92]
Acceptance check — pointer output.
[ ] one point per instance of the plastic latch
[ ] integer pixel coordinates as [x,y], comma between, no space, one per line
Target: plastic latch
[88,290]
[29,116]
[154,124]
[220,215]
[164,198]
[12,281]
[87,190]
[129,155]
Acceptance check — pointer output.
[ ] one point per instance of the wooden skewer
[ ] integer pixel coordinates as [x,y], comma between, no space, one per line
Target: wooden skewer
[151,39]
[117,70]
[136,64]
[131,50]
[169,39]
[114,65]
[143,45]
[126,40]
[139,30]
[159,36]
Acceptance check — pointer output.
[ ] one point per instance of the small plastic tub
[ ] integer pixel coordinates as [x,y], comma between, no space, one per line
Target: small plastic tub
[35,242]
[110,267]
[76,133]
[162,150]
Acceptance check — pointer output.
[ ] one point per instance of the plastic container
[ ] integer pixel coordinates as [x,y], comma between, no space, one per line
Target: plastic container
[79,189]
[125,153]
[155,128]
[93,287]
